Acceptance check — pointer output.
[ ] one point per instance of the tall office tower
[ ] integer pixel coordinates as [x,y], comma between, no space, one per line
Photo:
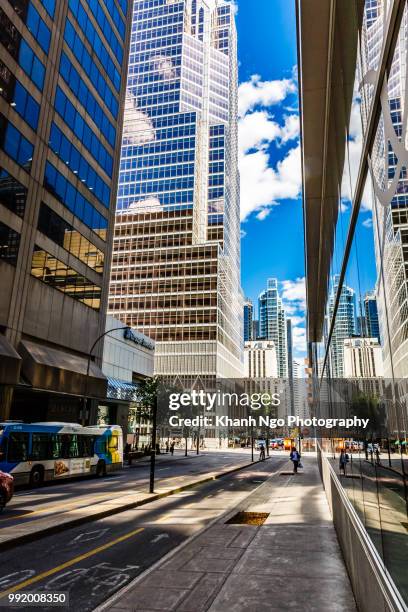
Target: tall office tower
[176,261]
[272,323]
[390,204]
[255,329]
[248,320]
[345,325]
[62,87]
[371,316]
[289,341]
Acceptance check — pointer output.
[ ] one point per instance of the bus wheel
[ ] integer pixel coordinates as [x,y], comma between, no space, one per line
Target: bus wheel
[36,477]
[101,469]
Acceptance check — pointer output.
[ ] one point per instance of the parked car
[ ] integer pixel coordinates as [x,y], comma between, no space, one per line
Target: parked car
[6,488]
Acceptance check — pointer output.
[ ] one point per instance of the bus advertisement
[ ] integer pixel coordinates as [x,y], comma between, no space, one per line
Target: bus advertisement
[38,452]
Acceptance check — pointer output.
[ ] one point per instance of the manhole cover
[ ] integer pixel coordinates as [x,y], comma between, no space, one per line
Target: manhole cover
[248,518]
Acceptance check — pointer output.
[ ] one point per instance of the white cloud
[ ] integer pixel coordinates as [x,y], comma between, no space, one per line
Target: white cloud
[256,92]
[299,341]
[368,222]
[262,186]
[291,129]
[294,302]
[294,291]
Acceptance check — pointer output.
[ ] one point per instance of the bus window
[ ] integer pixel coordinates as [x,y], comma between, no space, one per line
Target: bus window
[40,447]
[17,447]
[73,447]
[65,441]
[56,446]
[86,446]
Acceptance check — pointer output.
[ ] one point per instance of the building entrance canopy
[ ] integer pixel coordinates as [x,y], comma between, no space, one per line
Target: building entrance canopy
[54,370]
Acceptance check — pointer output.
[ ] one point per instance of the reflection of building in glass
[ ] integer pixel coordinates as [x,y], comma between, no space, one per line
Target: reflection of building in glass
[362,358]
[390,203]
[176,257]
[248,320]
[344,327]
[372,329]
[260,359]
[60,126]
[272,323]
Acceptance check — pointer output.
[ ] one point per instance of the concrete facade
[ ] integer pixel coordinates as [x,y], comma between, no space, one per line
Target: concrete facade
[57,189]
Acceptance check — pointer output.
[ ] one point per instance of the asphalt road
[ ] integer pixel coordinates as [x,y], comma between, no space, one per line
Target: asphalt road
[92,561]
[57,497]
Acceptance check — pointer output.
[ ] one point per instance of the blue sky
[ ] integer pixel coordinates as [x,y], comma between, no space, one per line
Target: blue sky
[271,207]
[272,228]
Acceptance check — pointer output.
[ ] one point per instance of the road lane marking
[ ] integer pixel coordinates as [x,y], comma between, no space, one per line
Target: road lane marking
[74,561]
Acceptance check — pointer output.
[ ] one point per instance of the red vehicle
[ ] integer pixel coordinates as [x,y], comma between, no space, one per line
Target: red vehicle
[6,488]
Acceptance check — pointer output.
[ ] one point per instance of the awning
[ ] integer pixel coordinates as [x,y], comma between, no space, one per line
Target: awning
[121,390]
[51,369]
[10,363]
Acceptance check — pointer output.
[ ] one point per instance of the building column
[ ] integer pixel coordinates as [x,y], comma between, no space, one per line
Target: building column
[6,398]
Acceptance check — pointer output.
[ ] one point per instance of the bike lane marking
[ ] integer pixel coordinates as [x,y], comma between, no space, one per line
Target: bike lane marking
[69,563]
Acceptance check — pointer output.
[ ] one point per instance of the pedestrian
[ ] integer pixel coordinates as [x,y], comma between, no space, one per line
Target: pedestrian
[262,453]
[377,456]
[167,446]
[371,455]
[172,447]
[295,458]
[343,461]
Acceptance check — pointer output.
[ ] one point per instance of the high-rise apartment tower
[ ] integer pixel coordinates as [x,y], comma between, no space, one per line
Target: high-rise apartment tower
[272,323]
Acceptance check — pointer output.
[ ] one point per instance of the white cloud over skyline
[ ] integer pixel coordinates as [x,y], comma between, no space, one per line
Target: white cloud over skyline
[262,184]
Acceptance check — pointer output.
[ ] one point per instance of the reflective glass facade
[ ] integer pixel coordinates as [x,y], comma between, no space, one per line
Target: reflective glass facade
[366,312]
[176,260]
[272,323]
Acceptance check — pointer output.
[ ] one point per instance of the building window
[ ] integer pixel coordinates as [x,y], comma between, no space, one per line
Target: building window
[66,236]
[15,145]
[31,65]
[9,244]
[82,131]
[59,275]
[78,165]
[66,193]
[19,98]
[13,195]
[86,98]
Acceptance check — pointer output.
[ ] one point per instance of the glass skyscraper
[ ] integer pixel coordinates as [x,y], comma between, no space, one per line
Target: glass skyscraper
[248,320]
[272,323]
[176,256]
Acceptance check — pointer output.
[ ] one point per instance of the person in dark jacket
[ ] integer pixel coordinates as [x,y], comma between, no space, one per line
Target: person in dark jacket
[295,458]
[343,461]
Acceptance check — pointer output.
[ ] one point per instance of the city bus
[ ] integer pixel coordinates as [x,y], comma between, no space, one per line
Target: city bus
[38,452]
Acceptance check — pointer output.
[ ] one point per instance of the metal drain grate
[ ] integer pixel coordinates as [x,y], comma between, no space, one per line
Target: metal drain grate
[248,518]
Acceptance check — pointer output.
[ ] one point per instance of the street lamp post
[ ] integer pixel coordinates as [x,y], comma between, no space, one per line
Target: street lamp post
[153,449]
[85,396]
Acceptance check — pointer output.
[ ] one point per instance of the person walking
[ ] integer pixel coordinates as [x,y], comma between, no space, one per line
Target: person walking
[172,447]
[343,461]
[262,453]
[295,458]
[167,446]
[377,456]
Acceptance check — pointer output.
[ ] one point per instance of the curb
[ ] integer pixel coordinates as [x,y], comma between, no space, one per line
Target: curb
[38,535]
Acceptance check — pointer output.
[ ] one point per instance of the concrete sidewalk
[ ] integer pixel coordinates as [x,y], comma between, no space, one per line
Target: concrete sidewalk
[291,562]
[94,509]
